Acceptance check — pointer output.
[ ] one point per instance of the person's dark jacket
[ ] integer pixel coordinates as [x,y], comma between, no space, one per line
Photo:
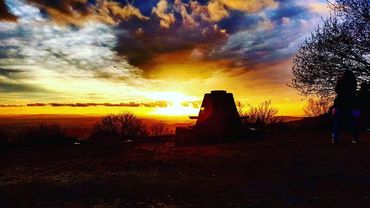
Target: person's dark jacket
[346,99]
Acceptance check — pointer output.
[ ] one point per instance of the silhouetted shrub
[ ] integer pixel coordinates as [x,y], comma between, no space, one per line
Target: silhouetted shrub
[42,134]
[160,129]
[262,115]
[118,128]
[316,107]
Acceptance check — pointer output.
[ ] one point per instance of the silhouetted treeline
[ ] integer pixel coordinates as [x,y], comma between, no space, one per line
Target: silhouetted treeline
[111,128]
[42,134]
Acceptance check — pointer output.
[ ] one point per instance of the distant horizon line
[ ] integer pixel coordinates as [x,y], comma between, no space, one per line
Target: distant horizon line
[100,115]
[153,104]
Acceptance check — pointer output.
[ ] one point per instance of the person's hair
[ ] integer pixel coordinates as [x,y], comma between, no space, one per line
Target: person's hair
[348,75]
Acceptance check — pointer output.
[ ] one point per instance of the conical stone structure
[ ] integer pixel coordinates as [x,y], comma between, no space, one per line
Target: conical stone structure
[218,121]
[218,111]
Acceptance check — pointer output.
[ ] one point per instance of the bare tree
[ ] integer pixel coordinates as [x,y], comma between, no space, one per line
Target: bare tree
[119,127]
[263,114]
[341,43]
[160,129]
[316,107]
[107,127]
[130,126]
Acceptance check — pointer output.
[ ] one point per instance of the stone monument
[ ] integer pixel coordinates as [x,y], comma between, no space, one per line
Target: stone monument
[218,121]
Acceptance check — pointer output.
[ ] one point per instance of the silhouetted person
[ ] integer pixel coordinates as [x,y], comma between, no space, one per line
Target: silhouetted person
[364,103]
[346,106]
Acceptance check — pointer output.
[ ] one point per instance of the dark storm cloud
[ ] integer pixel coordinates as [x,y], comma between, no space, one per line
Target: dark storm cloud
[147,40]
[5,15]
[244,32]
[174,26]
[245,36]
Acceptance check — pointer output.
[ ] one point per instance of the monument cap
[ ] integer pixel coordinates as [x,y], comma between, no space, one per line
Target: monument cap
[218,91]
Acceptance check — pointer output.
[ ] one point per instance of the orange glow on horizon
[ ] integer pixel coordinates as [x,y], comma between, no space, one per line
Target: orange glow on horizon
[187,81]
[175,109]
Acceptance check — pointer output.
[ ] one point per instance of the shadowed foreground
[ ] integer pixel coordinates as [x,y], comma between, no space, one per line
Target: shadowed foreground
[283,170]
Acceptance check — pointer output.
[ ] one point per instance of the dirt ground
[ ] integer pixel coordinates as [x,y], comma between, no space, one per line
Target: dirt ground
[285,169]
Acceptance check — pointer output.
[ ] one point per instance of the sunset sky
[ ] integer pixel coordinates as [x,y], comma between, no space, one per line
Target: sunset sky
[152,57]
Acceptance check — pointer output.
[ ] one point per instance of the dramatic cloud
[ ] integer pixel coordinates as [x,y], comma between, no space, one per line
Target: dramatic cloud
[244,32]
[88,51]
[147,29]
[141,51]
[166,18]
[112,12]
[78,12]
[37,56]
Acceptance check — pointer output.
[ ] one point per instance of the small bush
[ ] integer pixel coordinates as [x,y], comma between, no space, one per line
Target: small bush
[118,128]
[160,129]
[316,107]
[262,115]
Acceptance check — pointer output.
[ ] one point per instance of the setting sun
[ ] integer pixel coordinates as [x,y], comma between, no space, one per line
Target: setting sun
[178,104]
